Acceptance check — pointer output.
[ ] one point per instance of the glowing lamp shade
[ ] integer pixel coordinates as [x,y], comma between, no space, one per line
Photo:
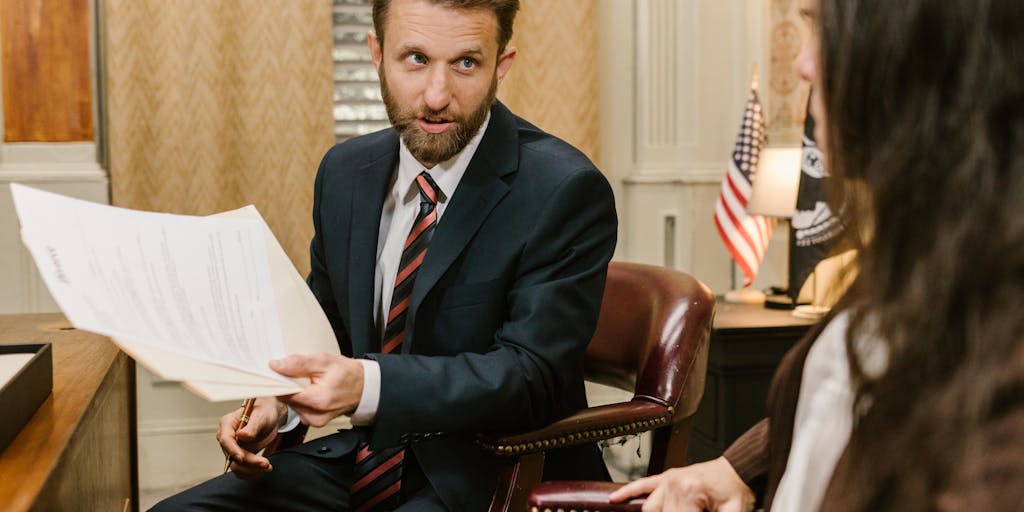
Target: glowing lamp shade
[776,183]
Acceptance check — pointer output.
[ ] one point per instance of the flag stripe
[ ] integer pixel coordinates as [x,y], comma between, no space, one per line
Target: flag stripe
[745,236]
[743,255]
[742,262]
[740,234]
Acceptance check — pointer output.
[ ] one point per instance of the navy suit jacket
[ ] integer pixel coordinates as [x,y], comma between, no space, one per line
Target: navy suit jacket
[502,308]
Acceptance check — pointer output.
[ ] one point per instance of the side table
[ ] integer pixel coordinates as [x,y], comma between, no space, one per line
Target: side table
[78,451]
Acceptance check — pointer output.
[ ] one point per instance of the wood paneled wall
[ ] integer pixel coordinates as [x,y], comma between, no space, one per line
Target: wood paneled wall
[553,82]
[47,91]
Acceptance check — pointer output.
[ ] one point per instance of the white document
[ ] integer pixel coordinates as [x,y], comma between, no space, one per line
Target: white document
[207,301]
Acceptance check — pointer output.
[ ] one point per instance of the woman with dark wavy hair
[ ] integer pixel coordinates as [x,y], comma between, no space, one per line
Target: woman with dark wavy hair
[911,397]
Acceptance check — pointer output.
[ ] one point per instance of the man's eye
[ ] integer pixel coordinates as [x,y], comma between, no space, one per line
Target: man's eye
[417,58]
[467,63]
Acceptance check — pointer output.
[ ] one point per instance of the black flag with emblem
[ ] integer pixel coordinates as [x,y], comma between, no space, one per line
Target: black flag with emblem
[816,226]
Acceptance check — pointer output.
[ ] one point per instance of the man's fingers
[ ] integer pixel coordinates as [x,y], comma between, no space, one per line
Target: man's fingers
[231,441]
[251,460]
[244,463]
[258,420]
[247,471]
[232,449]
[641,487]
[299,365]
[226,434]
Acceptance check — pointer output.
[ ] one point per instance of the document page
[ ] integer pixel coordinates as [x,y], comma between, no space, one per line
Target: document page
[198,287]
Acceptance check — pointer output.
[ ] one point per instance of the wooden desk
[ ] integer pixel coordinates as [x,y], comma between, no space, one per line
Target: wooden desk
[747,343]
[78,450]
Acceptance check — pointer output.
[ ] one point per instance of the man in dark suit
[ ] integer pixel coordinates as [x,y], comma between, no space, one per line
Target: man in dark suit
[460,259]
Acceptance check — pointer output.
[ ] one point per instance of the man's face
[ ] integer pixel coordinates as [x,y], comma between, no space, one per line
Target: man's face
[439,70]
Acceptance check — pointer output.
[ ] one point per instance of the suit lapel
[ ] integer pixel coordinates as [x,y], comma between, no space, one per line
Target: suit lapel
[479,191]
[368,193]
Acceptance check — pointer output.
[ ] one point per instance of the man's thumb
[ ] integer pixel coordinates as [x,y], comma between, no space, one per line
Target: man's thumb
[294,366]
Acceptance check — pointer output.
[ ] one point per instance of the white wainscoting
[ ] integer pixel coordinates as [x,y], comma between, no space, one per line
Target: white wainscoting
[177,429]
[64,168]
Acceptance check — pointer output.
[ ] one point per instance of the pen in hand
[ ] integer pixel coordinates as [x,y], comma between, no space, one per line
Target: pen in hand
[246,411]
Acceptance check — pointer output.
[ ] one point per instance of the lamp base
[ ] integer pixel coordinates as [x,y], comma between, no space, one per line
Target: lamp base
[780,302]
[744,296]
[810,312]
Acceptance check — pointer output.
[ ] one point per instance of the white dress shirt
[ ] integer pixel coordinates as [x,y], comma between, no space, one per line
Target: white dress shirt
[396,220]
[824,415]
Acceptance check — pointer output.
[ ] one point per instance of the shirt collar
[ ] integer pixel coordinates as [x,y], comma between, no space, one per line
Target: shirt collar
[446,174]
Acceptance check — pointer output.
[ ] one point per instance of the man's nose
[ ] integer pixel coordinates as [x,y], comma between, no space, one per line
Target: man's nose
[438,92]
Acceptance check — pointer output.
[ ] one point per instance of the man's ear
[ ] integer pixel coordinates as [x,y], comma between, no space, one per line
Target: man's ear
[505,62]
[375,49]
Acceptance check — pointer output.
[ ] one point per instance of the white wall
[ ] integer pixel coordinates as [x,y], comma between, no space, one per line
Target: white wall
[674,79]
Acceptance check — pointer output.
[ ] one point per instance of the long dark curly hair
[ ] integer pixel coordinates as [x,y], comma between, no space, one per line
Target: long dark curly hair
[925,108]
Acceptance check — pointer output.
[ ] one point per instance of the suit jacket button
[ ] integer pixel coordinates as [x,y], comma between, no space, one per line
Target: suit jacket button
[323,450]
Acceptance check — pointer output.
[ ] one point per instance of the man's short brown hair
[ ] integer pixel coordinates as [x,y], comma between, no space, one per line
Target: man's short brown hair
[504,10]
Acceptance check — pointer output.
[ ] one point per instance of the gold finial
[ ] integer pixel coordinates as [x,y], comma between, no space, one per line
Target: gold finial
[753,78]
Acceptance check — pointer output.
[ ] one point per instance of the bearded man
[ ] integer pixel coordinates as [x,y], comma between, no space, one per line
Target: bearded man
[461,259]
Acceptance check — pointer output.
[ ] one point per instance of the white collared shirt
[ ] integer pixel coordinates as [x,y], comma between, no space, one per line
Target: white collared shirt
[396,220]
[824,414]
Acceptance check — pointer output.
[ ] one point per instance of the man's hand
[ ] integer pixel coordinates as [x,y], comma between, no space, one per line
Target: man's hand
[243,445]
[712,485]
[335,387]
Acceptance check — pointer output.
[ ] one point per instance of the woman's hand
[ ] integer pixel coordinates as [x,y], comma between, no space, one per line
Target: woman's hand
[712,485]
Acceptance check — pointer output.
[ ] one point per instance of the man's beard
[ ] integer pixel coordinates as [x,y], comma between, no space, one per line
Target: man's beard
[433,148]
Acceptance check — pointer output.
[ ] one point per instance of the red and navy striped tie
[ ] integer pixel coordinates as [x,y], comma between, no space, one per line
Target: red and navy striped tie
[378,474]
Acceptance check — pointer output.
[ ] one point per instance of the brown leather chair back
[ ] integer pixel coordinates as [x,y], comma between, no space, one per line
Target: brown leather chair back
[646,340]
[652,339]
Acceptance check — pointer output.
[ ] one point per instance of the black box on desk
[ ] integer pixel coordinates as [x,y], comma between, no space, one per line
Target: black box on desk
[27,389]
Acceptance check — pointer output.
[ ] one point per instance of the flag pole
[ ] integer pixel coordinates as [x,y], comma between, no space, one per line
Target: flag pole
[744,294]
[732,262]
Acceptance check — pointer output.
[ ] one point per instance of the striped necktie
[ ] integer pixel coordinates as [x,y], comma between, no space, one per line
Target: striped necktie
[378,474]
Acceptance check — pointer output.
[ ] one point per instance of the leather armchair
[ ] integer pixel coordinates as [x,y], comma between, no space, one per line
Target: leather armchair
[651,339]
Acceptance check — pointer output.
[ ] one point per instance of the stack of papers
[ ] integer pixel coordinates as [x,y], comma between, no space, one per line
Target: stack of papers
[206,301]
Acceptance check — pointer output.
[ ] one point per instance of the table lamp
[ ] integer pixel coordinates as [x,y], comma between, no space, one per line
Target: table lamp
[773,194]
[776,183]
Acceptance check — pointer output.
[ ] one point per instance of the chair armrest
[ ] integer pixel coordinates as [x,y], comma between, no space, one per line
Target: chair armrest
[553,496]
[586,426]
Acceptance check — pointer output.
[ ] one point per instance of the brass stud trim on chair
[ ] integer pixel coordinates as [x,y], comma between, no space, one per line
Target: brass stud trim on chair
[633,427]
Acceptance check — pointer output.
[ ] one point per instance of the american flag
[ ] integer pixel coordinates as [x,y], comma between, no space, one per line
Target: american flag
[746,236]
